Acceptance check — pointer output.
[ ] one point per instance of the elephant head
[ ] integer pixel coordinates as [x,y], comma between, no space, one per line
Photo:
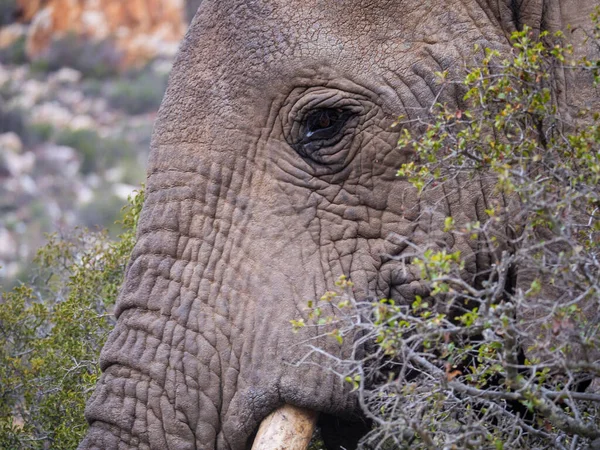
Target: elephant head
[272,172]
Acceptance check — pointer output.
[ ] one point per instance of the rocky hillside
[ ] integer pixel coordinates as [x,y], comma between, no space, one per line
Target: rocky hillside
[76,112]
[140,29]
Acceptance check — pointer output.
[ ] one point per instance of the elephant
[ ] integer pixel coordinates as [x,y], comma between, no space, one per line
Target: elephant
[272,172]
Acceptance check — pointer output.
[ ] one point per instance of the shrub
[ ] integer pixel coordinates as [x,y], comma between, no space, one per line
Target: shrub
[12,119]
[103,210]
[94,59]
[14,53]
[51,332]
[87,143]
[16,120]
[92,88]
[140,93]
[97,153]
[500,361]
[8,12]
[39,132]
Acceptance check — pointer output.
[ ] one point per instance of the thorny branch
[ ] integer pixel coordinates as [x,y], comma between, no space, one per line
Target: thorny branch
[509,356]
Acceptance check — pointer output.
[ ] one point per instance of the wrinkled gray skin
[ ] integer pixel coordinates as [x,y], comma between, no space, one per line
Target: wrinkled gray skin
[240,228]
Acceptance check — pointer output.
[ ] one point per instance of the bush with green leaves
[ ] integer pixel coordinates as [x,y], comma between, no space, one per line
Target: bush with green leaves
[97,153]
[139,92]
[16,120]
[507,360]
[15,53]
[93,58]
[12,120]
[51,333]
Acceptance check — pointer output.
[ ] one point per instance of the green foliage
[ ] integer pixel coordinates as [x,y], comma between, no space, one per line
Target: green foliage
[14,53]
[16,120]
[104,210]
[94,59]
[512,130]
[12,119]
[447,370]
[40,132]
[139,93]
[98,153]
[51,333]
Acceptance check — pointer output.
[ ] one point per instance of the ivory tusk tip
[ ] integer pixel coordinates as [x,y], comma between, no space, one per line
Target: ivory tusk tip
[287,428]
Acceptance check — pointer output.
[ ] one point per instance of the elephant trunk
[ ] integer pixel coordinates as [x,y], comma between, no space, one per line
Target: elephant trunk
[289,428]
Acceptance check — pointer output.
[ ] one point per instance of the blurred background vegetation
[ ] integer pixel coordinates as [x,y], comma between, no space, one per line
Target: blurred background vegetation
[51,332]
[80,86]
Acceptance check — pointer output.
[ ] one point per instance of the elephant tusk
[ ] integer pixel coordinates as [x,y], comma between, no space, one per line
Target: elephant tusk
[287,428]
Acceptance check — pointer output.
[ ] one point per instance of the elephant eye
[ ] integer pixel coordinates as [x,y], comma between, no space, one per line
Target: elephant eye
[324,124]
[321,129]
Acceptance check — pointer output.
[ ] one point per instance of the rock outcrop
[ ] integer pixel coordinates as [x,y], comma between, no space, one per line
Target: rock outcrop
[141,29]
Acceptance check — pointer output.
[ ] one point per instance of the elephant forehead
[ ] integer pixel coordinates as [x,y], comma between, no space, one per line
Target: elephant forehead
[238,56]
[281,29]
